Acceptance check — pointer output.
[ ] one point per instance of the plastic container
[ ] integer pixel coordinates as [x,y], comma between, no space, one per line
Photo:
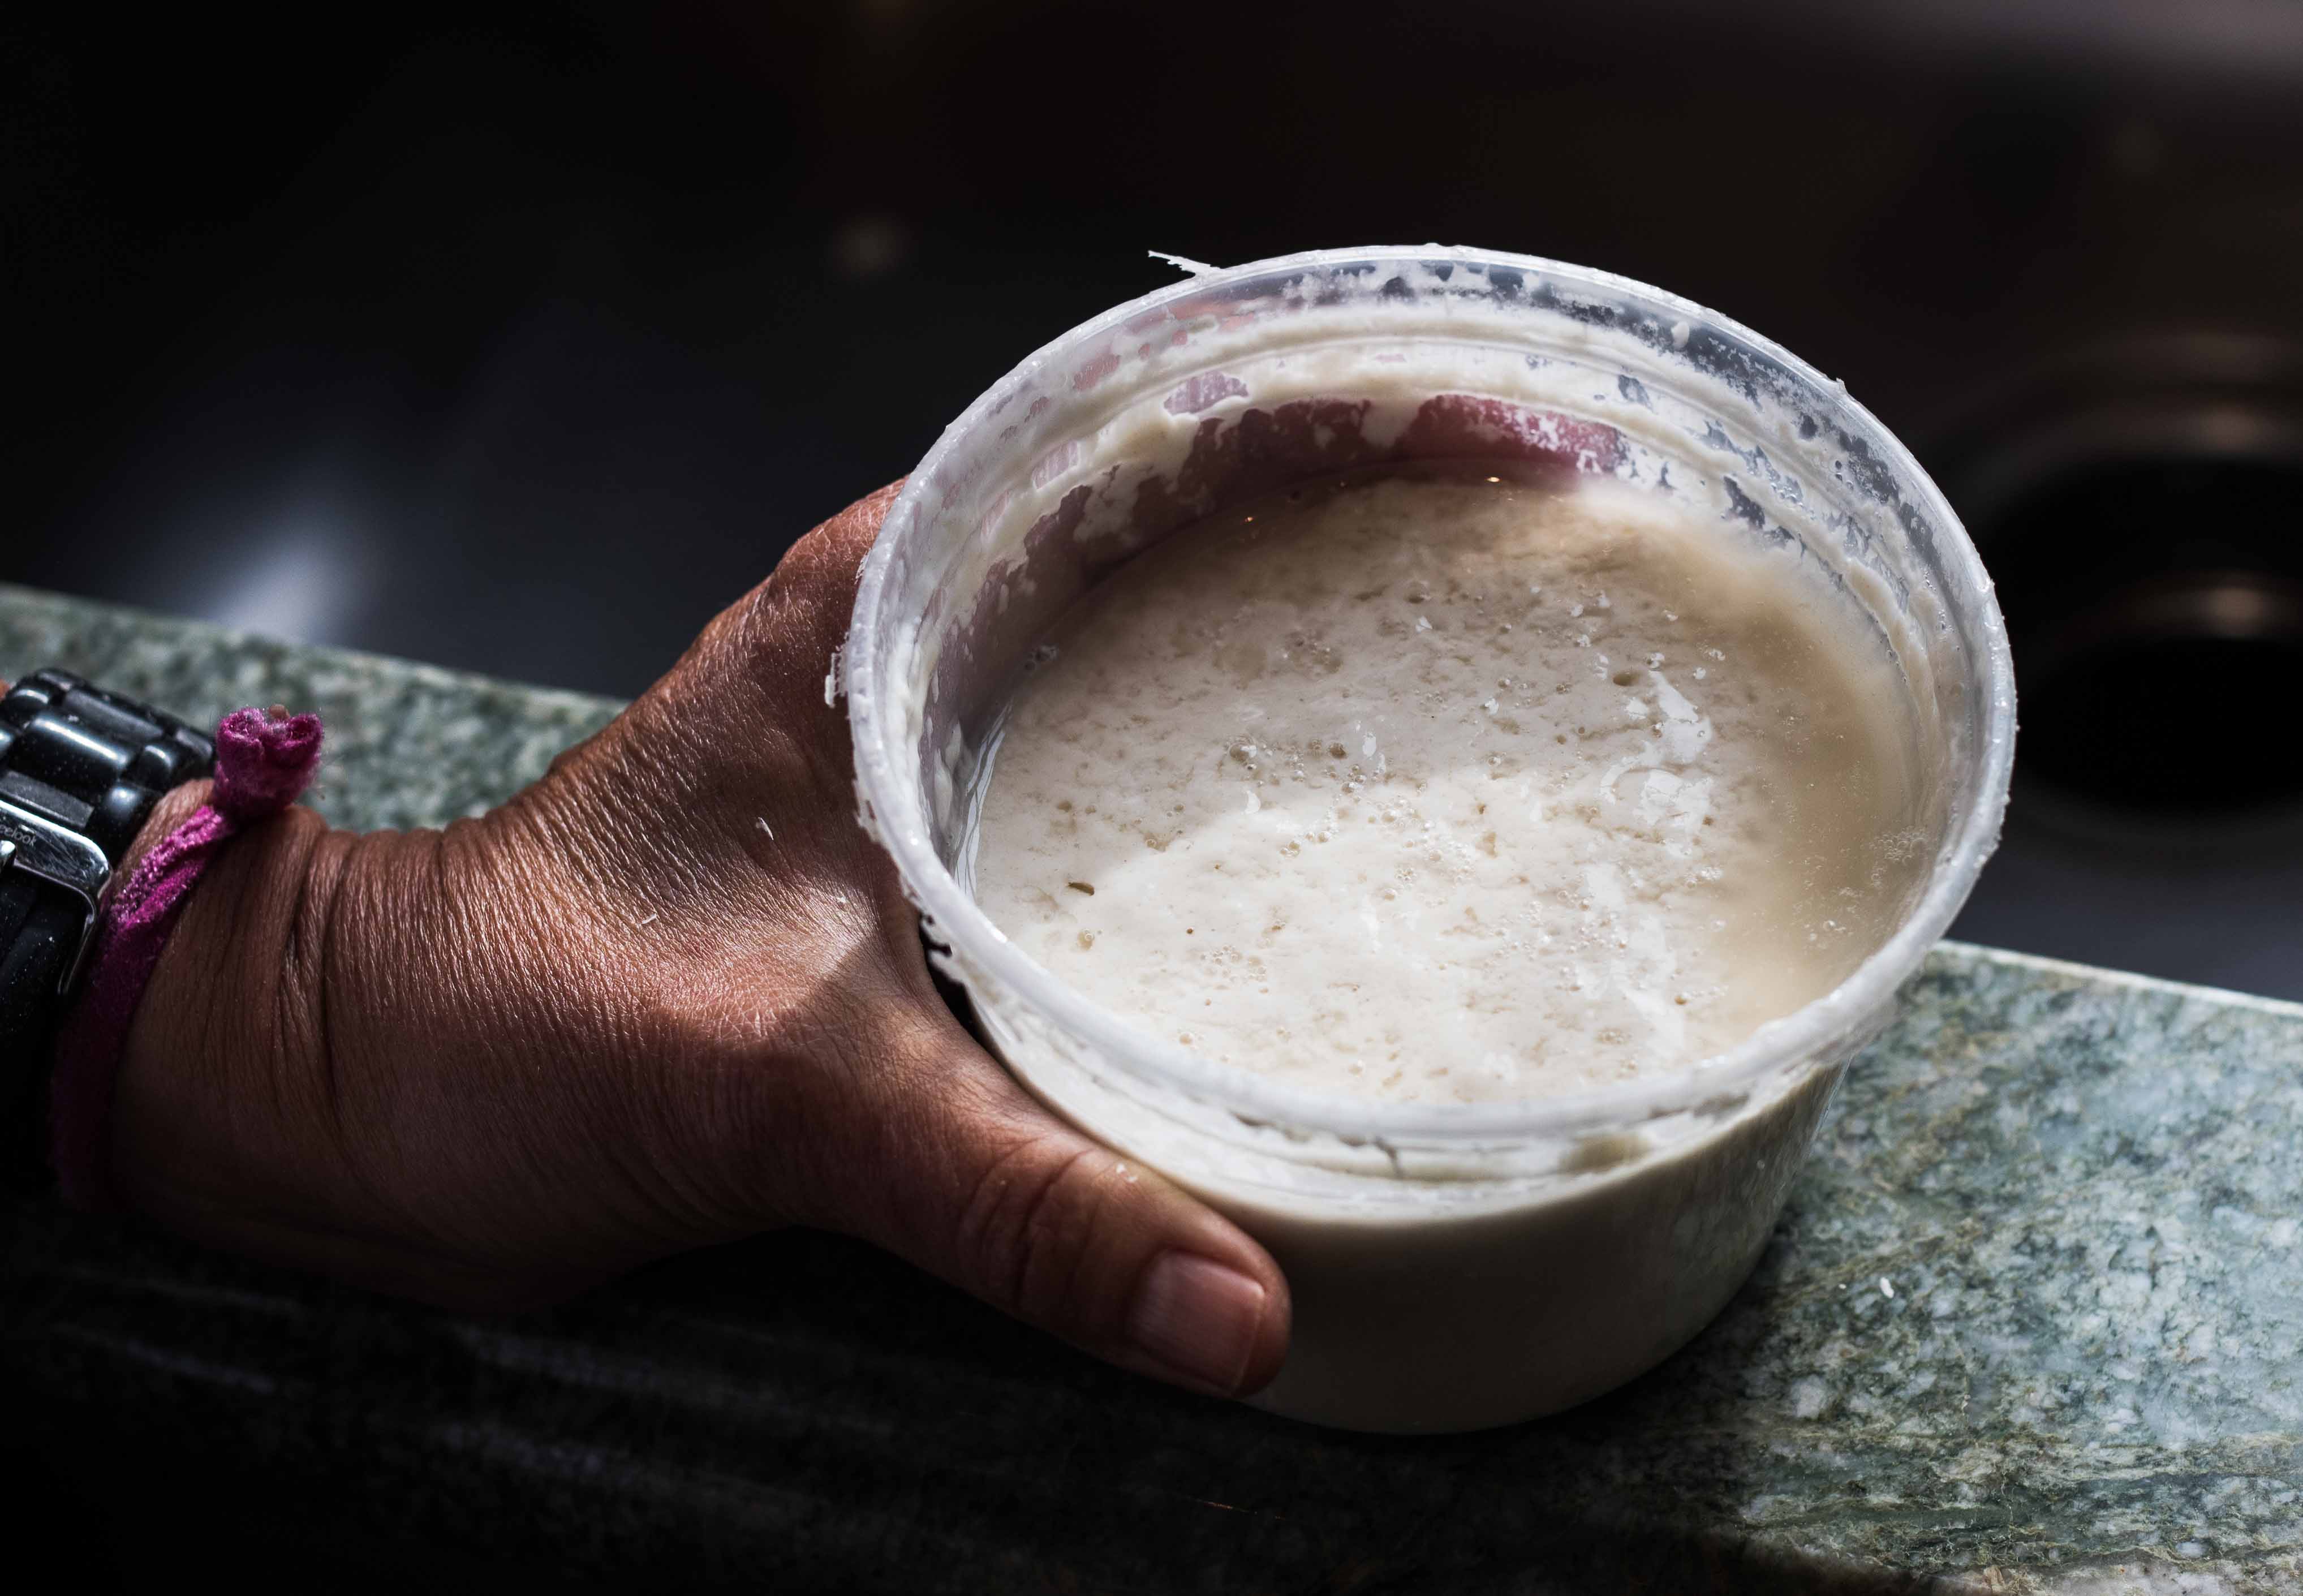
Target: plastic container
[1461,1265]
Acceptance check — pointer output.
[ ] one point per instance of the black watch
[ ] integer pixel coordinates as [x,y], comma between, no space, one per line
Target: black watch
[80,771]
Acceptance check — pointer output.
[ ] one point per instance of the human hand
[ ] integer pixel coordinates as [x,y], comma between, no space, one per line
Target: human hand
[668,996]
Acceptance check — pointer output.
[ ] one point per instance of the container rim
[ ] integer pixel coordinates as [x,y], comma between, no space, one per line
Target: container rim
[894,804]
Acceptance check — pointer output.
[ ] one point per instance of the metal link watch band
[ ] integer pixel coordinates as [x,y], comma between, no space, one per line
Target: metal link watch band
[80,770]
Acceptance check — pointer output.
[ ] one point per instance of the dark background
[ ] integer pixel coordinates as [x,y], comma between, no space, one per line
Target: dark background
[524,344]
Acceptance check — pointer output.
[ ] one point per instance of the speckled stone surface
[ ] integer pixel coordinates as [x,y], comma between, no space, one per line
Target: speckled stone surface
[2033,1321]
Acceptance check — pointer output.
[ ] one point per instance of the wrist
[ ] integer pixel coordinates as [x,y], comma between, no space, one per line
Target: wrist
[209,1041]
[404,1060]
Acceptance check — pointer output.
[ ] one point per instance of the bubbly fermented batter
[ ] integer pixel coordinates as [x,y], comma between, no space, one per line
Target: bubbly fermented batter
[1446,786]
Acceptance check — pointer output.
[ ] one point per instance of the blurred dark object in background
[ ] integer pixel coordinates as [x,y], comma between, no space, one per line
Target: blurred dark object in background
[525,345]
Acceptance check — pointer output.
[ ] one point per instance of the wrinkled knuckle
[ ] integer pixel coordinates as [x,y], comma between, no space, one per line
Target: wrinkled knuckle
[1029,1229]
[849,534]
[817,580]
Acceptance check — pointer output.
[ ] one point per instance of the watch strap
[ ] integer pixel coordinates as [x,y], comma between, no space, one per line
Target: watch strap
[90,761]
[80,771]
[39,933]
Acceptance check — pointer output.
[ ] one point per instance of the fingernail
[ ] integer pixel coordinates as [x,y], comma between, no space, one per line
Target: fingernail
[1198,1317]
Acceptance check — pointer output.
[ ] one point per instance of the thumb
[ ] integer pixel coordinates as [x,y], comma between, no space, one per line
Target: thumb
[975,1182]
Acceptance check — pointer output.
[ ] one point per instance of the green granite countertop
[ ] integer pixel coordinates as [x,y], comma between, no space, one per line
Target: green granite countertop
[2032,1321]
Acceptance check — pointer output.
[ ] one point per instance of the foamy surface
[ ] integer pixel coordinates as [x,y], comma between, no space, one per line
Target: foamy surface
[1449,787]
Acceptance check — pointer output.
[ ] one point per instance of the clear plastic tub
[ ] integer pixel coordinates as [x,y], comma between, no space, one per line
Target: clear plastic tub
[1461,1265]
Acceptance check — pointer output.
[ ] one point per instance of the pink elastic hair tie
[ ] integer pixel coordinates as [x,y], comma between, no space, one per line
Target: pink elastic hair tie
[262,766]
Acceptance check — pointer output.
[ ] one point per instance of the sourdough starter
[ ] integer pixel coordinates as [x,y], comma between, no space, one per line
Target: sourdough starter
[1446,786]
